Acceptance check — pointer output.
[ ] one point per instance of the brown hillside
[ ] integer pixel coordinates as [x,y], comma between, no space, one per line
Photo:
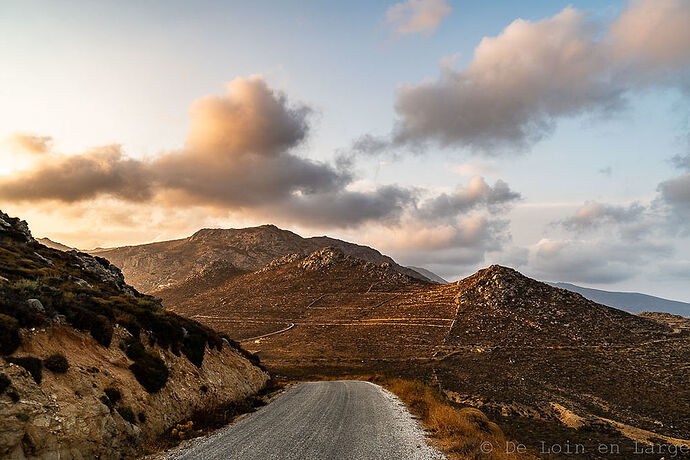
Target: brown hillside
[547,361]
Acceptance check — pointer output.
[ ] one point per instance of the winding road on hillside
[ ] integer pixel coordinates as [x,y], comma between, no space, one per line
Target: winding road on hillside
[320,420]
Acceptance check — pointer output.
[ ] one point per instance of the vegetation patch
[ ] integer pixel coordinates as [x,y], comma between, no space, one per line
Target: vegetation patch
[56,363]
[9,334]
[67,284]
[90,294]
[149,370]
[33,365]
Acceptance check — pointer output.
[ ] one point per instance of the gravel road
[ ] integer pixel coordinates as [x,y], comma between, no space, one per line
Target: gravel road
[320,420]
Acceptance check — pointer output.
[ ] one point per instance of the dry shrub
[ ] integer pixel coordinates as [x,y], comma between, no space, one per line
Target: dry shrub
[460,432]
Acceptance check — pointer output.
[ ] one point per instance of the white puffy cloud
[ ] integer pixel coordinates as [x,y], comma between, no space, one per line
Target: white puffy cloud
[521,82]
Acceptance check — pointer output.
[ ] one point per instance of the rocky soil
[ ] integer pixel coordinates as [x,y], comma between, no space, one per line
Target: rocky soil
[70,416]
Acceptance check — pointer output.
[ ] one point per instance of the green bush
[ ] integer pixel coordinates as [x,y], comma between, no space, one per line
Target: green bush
[194,347]
[9,334]
[102,330]
[149,370]
[4,383]
[56,363]
[33,365]
[127,414]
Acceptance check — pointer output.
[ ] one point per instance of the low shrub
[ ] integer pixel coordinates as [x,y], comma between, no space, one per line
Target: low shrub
[185,431]
[127,414]
[9,334]
[102,330]
[33,365]
[149,370]
[56,363]
[194,347]
[4,383]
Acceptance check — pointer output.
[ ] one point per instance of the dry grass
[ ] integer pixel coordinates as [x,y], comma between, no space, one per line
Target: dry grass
[461,433]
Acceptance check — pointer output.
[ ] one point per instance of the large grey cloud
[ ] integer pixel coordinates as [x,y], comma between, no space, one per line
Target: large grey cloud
[477,193]
[239,155]
[519,83]
[103,170]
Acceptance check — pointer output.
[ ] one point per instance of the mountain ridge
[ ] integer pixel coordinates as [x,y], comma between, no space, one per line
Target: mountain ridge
[152,266]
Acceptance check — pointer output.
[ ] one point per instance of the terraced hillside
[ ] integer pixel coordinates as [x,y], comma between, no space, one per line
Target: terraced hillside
[545,360]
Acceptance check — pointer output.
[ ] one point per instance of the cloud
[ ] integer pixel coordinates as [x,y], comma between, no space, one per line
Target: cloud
[652,36]
[417,16]
[449,246]
[31,143]
[598,261]
[250,118]
[681,162]
[451,232]
[594,215]
[239,156]
[100,171]
[477,193]
[521,82]
[675,193]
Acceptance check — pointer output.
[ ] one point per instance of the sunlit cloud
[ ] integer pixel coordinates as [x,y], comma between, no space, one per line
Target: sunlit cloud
[417,16]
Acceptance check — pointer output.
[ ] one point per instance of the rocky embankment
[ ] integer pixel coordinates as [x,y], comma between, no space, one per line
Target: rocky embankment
[90,368]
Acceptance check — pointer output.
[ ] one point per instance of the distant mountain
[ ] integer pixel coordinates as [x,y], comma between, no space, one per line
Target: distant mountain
[629,301]
[53,244]
[429,274]
[153,266]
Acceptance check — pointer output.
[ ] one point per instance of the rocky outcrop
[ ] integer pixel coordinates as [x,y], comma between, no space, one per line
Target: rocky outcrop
[15,226]
[69,416]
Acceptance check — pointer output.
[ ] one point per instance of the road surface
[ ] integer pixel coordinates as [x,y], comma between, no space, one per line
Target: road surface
[320,420]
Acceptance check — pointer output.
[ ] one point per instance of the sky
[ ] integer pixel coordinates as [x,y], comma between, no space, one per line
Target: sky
[549,136]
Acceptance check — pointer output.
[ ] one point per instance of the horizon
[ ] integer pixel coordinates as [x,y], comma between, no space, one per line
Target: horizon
[549,136]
